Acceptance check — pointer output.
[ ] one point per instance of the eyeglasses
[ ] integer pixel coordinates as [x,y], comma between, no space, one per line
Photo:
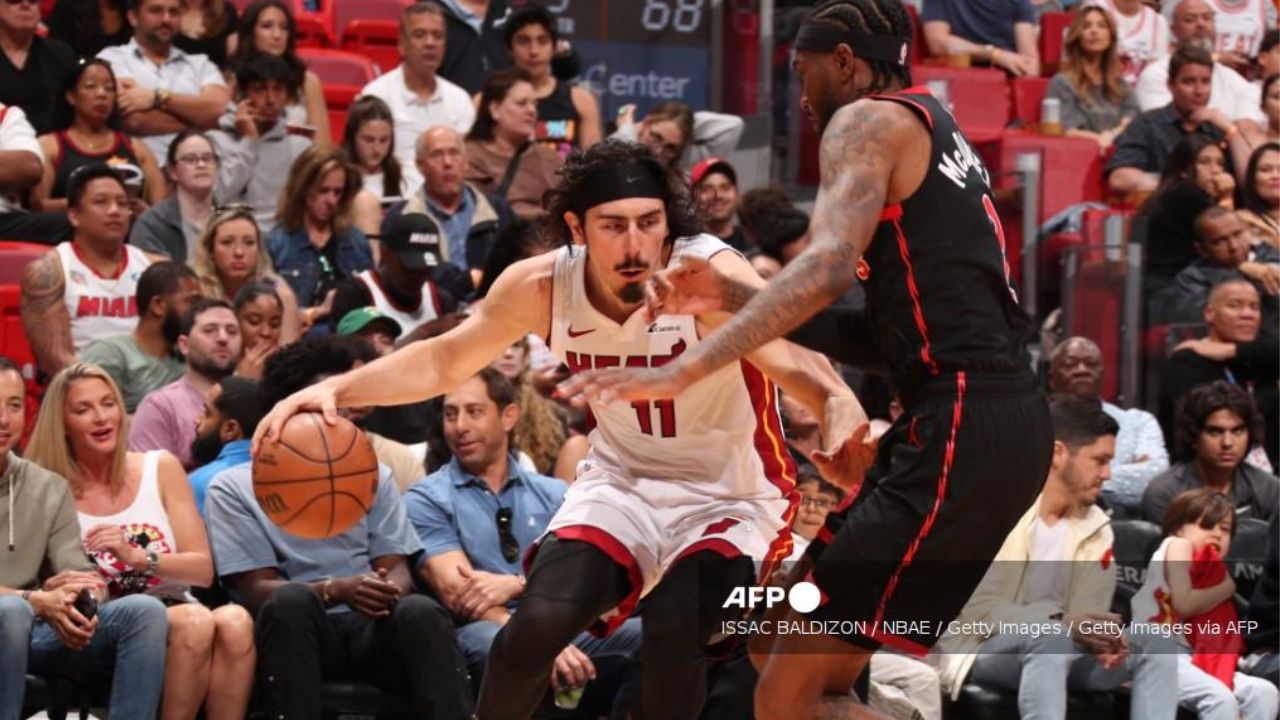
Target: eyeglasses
[193,160]
[819,502]
[510,546]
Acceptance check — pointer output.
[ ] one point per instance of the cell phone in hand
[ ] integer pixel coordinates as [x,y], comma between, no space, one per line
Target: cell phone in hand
[86,604]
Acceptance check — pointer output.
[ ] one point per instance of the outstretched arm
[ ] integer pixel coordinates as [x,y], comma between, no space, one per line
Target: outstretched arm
[519,303]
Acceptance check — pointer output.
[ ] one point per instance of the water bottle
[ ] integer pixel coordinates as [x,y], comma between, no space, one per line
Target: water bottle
[1051,116]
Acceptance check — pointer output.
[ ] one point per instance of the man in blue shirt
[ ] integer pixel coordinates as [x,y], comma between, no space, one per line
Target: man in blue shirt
[337,608]
[230,417]
[477,515]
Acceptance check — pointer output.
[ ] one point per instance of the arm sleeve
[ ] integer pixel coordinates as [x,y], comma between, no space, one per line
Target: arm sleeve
[843,334]
[208,74]
[1129,479]
[431,517]
[934,10]
[1132,148]
[1025,13]
[389,530]
[714,135]
[236,160]
[1257,360]
[16,133]
[65,550]
[236,535]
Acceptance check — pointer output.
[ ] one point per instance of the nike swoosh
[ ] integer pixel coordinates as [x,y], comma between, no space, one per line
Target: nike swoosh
[579,333]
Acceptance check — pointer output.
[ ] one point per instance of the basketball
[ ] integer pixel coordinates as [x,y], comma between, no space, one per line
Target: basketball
[318,480]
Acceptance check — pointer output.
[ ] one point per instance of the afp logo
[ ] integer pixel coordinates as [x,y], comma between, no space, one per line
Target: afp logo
[803,597]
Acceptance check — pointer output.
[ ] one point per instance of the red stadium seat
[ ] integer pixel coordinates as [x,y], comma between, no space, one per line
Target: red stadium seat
[918,47]
[1053,28]
[979,98]
[313,31]
[338,66]
[1028,92]
[14,257]
[378,40]
[337,98]
[14,345]
[344,12]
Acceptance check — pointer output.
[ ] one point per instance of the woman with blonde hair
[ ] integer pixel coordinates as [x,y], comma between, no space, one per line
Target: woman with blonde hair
[542,432]
[315,242]
[139,524]
[1096,101]
[230,255]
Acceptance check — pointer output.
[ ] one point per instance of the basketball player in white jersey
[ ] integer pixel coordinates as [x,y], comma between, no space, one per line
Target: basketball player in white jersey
[677,496]
[85,289]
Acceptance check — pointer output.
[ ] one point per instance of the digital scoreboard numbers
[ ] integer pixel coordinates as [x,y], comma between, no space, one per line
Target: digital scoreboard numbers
[640,51]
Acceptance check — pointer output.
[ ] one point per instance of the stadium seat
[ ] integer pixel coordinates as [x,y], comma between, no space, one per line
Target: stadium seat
[979,98]
[1248,553]
[378,40]
[1053,30]
[344,12]
[1135,541]
[918,46]
[338,66]
[14,257]
[981,702]
[337,98]
[1028,92]
[313,31]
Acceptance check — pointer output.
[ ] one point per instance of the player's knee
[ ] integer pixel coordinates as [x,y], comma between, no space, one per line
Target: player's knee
[541,629]
[420,612]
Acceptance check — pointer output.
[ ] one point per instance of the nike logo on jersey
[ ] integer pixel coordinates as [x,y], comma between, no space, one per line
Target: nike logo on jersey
[579,333]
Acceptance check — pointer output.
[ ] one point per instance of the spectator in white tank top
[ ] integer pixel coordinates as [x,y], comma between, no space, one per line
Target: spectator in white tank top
[84,290]
[139,521]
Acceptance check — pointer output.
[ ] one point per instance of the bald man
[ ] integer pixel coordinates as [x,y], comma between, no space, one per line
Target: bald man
[1076,368]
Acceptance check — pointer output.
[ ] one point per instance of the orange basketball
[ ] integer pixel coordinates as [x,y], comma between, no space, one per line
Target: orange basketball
[318,480]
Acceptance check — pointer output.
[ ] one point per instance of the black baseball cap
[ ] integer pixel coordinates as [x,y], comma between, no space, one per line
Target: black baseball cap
[415,238]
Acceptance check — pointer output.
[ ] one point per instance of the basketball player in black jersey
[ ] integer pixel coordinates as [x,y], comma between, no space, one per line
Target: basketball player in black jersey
[904,206]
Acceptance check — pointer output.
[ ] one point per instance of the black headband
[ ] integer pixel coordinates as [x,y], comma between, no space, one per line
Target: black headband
[618,182]
[815,37]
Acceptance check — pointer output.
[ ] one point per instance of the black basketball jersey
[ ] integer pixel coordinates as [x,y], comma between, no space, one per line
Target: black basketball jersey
[939,294]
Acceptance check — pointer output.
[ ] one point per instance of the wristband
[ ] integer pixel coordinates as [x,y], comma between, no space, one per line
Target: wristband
[26,595]
[324,592]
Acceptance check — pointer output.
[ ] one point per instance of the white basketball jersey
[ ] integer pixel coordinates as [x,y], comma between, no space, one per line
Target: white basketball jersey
[409,318]
[100,307]
[722,435]
[1240,25]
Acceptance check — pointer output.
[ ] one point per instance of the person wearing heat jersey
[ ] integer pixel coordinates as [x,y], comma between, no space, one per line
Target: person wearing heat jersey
[905,206]
[676,497]
[85,289]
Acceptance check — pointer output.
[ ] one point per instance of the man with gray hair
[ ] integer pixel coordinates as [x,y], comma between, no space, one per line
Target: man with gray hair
[1076,369]
[419,98]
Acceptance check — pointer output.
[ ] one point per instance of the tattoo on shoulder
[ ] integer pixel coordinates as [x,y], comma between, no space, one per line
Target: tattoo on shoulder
[42,280]
[855,144]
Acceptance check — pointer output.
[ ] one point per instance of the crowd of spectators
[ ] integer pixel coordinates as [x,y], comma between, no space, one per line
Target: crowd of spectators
[214,249]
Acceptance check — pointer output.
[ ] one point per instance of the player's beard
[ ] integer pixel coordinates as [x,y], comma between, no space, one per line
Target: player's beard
[631,293]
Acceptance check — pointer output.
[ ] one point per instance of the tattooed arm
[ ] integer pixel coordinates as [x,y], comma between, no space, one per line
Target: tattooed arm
[858,156]
[44,313]
[864,146]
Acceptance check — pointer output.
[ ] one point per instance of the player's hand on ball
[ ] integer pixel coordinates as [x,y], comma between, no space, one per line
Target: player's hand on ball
[692,286]
[572,669]
[846,464]
[627,384]
[320,398]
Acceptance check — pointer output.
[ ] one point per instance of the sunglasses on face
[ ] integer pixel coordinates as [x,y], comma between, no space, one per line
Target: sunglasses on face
[510,546]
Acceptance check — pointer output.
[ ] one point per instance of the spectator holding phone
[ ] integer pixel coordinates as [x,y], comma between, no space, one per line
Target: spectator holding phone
[43,573]
[268,27]
[253,142]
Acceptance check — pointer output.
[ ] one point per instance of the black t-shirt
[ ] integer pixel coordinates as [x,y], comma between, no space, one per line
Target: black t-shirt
[1171,229]
[35,86]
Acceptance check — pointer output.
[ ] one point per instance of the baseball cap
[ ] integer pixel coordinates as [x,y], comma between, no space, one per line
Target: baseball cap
[710,165]
[361,318]
[415,238]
